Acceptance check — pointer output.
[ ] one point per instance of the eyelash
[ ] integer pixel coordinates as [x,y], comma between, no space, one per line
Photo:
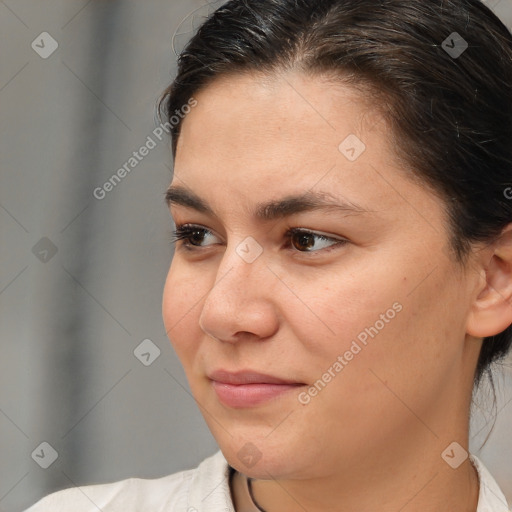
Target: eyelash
[184,232]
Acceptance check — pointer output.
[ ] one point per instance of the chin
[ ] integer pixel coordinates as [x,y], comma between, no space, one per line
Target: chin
[261,458]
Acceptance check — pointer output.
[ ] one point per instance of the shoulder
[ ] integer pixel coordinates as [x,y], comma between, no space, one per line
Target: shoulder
[490,496]
[183,491]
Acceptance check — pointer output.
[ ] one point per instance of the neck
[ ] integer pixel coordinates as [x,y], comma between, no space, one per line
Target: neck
[402,476]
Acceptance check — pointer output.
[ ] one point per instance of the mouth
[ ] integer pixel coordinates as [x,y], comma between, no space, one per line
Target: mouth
[249,388]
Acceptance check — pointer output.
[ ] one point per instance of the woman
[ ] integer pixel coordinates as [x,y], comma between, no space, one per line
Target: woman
[343,270]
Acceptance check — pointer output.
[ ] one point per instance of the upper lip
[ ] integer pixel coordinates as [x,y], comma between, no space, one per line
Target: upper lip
[247,377]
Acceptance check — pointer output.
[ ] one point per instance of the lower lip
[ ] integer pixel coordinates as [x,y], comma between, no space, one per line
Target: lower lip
[247,395]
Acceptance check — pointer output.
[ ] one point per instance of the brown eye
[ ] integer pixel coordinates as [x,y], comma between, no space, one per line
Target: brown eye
[304,240]
[196,235]
[190,235]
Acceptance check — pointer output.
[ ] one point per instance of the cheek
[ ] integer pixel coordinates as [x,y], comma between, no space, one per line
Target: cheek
[180,310]
[402,335]
[352,309]
[410,359]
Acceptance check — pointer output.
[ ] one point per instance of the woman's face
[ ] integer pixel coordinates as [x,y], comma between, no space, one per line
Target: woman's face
[372,330]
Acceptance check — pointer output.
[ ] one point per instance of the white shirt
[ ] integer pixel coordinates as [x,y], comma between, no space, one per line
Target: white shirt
[203,489]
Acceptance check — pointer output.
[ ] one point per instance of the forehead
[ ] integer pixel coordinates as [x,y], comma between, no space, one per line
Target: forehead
[255,108]
[249,138]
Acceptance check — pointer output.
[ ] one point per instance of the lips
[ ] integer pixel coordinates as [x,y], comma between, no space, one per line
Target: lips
[248,377]
[249,388]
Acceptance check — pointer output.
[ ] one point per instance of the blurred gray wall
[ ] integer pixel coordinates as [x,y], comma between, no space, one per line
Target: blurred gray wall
[81,278]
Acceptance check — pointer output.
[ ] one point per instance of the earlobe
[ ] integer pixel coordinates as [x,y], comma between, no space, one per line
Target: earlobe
[491,312]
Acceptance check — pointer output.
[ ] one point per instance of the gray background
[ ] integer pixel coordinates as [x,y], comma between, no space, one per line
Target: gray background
[70,325]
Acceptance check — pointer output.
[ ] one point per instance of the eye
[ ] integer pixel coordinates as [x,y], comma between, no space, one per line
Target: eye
[192,236]
[306,239]
[188,232]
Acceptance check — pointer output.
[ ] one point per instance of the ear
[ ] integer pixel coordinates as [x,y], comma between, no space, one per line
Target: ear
[491,311]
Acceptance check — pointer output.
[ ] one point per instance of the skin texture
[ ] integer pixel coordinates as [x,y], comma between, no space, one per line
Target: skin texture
[372,438]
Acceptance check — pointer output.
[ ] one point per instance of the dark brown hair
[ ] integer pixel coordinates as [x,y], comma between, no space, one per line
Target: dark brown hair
[451,115]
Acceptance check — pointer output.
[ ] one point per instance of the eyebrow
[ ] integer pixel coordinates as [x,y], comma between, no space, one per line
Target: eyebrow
[271,210]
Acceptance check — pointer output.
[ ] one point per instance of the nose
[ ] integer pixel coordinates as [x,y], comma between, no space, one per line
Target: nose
[241,303]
